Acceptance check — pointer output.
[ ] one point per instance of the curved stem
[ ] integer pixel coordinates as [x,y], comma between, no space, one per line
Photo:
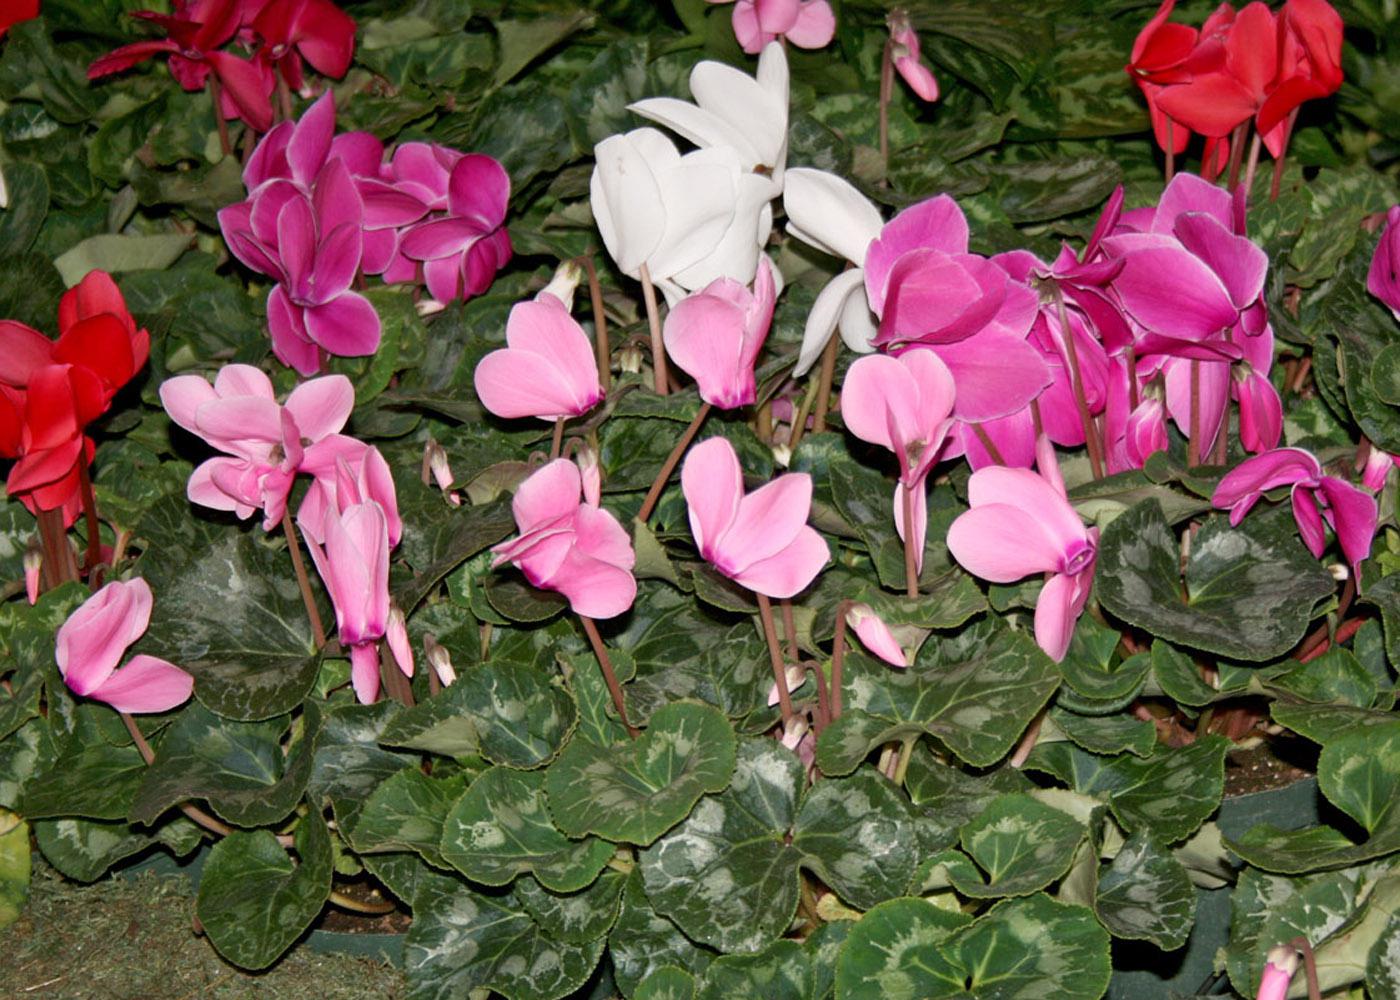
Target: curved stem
[318,632]
[823,696]
[828,373]
[911,573]
[1309,966]
[789,630]
[775,657]
[658,349]
[799,419]
[1282,153]
[614,688]
[993,451]
[348,903]
[556,444]
[1252,164]
[838,655]
[1193,445]
[1081,402]
[1171,152]
[216,95]
[600,323]
[667,467]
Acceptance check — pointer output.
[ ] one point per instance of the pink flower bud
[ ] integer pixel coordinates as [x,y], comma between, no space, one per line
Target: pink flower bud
[1377,467]
[33,560]
[564,283]
[876,635]
[587,460]
[793,674]
[1279,966]
[439,659]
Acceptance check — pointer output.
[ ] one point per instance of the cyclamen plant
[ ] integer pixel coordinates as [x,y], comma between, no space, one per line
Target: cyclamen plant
[681,646]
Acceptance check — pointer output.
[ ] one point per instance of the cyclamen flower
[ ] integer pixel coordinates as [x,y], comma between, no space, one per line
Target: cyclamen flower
[715,336]
[760,540]
[808,24]
[1377,468]
[547,370]
[1279,966]
[876,635]
[316,30]
[905,54]
[573,547]
[1316,498]
[1020,523]
[1383,277]
[463,251]
[90,644]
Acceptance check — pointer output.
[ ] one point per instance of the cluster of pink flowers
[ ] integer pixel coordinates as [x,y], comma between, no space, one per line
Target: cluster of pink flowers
[278,34]
[808,24]
[326,209]
[349,514]
[1250,64]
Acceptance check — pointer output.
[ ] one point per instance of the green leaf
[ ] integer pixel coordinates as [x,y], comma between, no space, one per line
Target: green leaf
[1106,734]
[1053,188]
[349,763]
[472,530]
[28,188]
[574,917]
[1250,590]
[636,791]
[899,949]
[14,867]
[521,42]
[1145,893]
[782,971]
[667,983]
[1021,844]
[950,797]
[1035,947]
[117,253]
[643,941]
[254,900]
[85,849]
[90,778]
[500,828]
[407,812]
[854,833]
[1266,910]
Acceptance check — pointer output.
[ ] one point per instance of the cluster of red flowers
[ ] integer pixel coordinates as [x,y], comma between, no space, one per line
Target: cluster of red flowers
[50,391]
[1241,65]
[279,34]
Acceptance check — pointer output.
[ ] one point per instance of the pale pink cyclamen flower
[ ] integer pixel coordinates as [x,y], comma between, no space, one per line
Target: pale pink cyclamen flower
[905,53]
[1279,967]
[1316,498]
[1373,474]
[267,443]
[572,547]
[715,335]
[1022,523]
[904,404]
[760,540]
[91,642]
[547,370]
[808,24]
[1383,277]
[876,635]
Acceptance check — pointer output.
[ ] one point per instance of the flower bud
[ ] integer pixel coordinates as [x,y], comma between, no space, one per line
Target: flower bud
[1279,966]
[396,634]
[629,359]
[564,283]
[33,561]
[439,659]
[429,307]
[1377,467]
[587,460]
[875,634]
[794,676]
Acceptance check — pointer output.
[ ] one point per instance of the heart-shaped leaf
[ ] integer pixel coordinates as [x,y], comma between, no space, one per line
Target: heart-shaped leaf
[1021,844]
[407,812]
[1145,893]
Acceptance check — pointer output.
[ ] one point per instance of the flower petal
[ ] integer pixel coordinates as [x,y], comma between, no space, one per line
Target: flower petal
[713,485]
[145,684]
[790,571]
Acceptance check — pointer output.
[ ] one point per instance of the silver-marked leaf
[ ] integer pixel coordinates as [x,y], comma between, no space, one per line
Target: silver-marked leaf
[348,763]
[1336,676]
[667,983]
[897,950]
[1145,893]
[1359,772]
[89,777]
[1315,848]
[1383,965]
[638,790]
[1035,947]
[643,941]
[1179,677]
[461,941]
[1266,910]
[406,813]
[1021,844]
[510,713]
[1106,734]
[500,828]
[84,849]
[254,900]
[1250,591]
[727,875]
[575,917]
[948,797]
[855,834]
[782,971]
[15,867]
[731,673]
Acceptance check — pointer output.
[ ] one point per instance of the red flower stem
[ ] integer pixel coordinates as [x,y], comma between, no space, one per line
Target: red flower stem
[1309,961]
[667,467]
[434,685]
[600,323]
[838,656]
[988,443]
[1171,152]
[216,95]
[614,689]
[59,566]
[775,657]
[1282,154]
[94,527]
[199,816]
[1036,422]
[789,630]
[823,698]
[886,94]
[828,373]
[1193,445]
[911,575]
[395,683]
[1236,153]
[1344,632]
[1132,379]
[318,632]
[1252,164]
[284,96]
[658,349]
[1091,431]
[556,445]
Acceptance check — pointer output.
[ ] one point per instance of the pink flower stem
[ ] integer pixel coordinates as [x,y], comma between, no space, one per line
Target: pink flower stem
[828,373]
[318,632]
[1193,445]
[658,349]
[556,445]
[284,97]
[1252,164]
[614,689]
[775,657]
[911,575]
[886,94]
[1091,434]
[1171,152]
[1309,959]
[1282,154]
[789,630]
[838,655]
[216,95]
[600,323]
[94,527]
[659,483]
[1236,153]
[395,683]
[986,439]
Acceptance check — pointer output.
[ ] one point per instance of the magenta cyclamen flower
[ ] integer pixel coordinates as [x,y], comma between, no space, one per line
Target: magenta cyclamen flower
[808,24]
[239,415]
[464,251]
[1383,278]
[760,540]
[1022,523]
[547,369]
[1350,510]
[91,642]
[715,335]
[904,404]
[573,547]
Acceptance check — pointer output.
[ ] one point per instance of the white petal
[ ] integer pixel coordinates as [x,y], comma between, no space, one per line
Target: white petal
[626,202]
[829,213]
[858,326]
[704,128]
[699,196]
[826,312]
[736,254]
[757,113]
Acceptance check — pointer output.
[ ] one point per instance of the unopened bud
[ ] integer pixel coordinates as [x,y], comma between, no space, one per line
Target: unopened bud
[782,454]
[875,635]
[794,676]
[1279,966]
[592,476]
[4,191]
[439,659]
[1339,571]
[793,732]
[565,281]
[629,359]
[436,458]
[33,562]
[428,307]
[396,634]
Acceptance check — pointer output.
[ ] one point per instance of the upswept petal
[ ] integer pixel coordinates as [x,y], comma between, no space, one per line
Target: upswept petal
[828,213]
[145,684]
[934,224]
[310,141]
[918,512]
[1239,263]
[768,519]
[183,395]
[757,112]
[1352,512]
[1002,543]
[713,485]
[204,489]
[1056,612]
[593,587]
[90,643]
[790,571]
[881,394]
[702,127]
[478,190]
[1189,192]
[547,495]
[321,406]
[347,325]
[1308,516]
[996,374]
[598,534]
[514,384]
[1240,487]
[626,200]
[814,27]
[1035,496]
[826,312]
[704,336]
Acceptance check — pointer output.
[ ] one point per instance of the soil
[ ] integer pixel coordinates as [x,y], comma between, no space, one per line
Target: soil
[1269,763]
[344,921]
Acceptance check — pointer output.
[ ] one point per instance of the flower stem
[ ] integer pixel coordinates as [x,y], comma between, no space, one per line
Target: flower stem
[1091,436]
[886,94]
[318,632]
[349,903]
[1236,153]
[667,467]
[838,655]
[993,452]
[1309,961]
[1252,164]
[216,95]
[911,573]
[284,97]
[775,656]
[1282,154]
[557,443]
[94,527]
[823,696]
[1193,444]
[789,630]
[799,419]
[828,373]
[1132,379]
[60,566]
[1171,152]
[399,687]
[600,323]
[658,349]
[614,689]
[901,765]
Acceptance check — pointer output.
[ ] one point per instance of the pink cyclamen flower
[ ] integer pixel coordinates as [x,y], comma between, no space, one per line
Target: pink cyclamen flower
[904,404]
[808,24]
[346,470]
[715,335]
[1383,277]
[1373,474]
[91,642]
[760,540]
[876,635]
[905,53]
[1021,523]
[240,416]
[1350,510]
[547,370]
[1279,967]
[463,251]
[569,546]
